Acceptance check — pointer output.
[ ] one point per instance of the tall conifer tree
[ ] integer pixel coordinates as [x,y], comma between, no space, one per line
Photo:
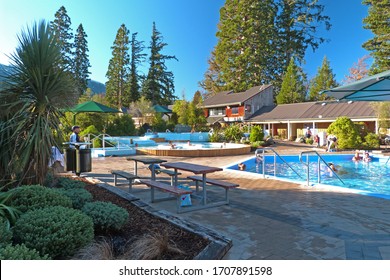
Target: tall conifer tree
[297,23]
[257,38]
[293,88]
[244,52]
[117,90]
[64,36]
[158,86]
[325,79]
[81,61]
[378,21]
[137,58]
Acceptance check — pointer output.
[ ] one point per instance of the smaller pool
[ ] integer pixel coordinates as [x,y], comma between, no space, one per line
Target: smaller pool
[371,178]
[196,149]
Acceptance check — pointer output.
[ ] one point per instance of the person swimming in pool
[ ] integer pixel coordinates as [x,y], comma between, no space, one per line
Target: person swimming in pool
[332,166]
[357,157]
[366,157]
[241,166]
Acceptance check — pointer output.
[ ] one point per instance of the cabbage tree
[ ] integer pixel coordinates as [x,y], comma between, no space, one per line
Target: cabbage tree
[31,98]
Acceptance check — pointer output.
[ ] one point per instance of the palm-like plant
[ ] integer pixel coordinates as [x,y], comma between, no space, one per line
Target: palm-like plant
[33,94]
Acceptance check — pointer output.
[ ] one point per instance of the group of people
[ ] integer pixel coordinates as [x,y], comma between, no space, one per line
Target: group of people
[366,157]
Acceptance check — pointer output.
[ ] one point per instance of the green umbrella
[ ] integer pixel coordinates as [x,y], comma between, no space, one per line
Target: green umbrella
[373,88]
[162,109]
[91,107]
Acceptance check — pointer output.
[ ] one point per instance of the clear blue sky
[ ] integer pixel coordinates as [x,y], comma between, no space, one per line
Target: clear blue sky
[188,27]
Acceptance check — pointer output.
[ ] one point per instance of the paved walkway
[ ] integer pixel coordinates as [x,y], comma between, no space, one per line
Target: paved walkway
[270,219]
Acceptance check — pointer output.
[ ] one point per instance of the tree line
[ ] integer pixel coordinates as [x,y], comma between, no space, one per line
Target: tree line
[265,42]
[125,83]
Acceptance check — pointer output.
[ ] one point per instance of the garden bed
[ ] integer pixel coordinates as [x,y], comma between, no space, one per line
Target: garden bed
[141,223]
[188,240]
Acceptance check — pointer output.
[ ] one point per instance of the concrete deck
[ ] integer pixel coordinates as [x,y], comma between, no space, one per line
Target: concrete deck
[269,219]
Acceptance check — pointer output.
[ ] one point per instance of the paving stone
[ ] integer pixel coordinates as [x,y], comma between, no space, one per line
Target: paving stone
[301,222]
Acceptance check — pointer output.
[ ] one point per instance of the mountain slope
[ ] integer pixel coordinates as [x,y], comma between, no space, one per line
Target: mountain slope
[95,86]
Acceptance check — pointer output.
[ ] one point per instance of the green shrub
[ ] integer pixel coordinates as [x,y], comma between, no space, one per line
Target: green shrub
[256,134]
[56,231]
[49,179]
[346,132]
[20,252]
[105,215]
[216,136]
[309,141]
[5,233]
[121,125]
[97,143]
[233,133]
[34,197]
[78,196]
[258,144]
[371,141]
[68,183]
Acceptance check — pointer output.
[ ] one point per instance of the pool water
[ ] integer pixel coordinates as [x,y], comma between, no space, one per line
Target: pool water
[372,177]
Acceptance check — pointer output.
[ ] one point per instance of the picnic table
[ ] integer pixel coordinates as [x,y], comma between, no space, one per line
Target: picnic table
[146,160]
[196,169]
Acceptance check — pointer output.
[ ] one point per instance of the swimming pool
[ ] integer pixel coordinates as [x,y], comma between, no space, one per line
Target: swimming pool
[371,178]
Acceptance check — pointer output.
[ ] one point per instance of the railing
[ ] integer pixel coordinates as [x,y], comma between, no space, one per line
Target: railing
[261,152]
[104,141]
[320,158]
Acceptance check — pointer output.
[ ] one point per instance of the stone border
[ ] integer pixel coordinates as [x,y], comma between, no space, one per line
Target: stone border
[219,244]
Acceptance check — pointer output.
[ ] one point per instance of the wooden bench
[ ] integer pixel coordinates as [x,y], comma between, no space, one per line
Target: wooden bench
[226,185]
[130,177]
[171,173]
[177,192]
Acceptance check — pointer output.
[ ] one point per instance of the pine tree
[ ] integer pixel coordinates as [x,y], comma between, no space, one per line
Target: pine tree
[212,82]
[256,40]
[158,86]
[325,79]
[244,52]
[137,57]
[378,21]
[293,88]
[63,33]
[297,23]
[196,115]
[117,92]
[81,61]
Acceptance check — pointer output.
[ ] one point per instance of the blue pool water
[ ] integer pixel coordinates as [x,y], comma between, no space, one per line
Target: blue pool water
[372,177]
[147,140]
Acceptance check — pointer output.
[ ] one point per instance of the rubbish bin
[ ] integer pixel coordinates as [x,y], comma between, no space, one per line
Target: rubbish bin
[85,160]
[78,160]
[70,159]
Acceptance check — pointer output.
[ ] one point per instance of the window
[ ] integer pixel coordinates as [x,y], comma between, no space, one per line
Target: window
[248,108]
[217,112]
[234,110]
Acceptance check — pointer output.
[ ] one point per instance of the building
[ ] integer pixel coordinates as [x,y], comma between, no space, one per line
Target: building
[291,120]
[228,107]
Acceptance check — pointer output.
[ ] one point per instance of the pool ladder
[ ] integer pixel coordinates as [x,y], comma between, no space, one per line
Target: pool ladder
[320,158]
[260,154]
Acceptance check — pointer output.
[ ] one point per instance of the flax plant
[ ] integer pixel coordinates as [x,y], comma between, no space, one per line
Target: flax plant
[32,97]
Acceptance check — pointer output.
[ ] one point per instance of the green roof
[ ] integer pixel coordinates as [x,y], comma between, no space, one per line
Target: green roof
[92,106]
[161,109]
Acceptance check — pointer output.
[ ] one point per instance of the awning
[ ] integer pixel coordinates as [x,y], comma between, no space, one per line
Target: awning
[373,88]
[215,119]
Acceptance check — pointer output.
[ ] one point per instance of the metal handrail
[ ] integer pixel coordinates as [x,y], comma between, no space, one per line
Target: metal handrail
[262,150]
[320,158]
[101,137]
